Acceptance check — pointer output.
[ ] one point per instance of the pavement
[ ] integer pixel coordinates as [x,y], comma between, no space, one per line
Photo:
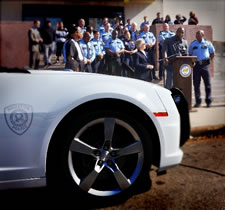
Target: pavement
[202,119]
[205,119]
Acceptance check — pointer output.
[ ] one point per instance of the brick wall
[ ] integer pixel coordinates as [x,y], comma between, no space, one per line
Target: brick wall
[14,43]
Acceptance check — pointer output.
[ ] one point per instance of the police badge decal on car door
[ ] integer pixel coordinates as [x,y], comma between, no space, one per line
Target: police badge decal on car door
[19,117]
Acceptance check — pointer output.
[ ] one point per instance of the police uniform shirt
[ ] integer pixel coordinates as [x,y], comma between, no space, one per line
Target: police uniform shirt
[129,44]
[144,23]
[88,50]
[98,46]
[148,37]
[201,49]
[174,47]
[115,45]
[134,35]
[101,29]
[128,26]
[164,35]
[83,30]
[106,36]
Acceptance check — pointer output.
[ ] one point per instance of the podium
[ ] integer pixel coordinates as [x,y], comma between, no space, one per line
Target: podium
[182,75]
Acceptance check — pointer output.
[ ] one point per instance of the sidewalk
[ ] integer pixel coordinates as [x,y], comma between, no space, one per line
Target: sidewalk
[204,119]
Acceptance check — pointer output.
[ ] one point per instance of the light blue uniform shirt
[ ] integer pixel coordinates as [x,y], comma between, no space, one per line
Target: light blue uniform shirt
[133,35]
[101,29]
[88,50]
[148,37]
[106,36]
[171,22]
[98,45]
[164,35]
[83,30]
[144,23]
[128,26]
[201,49]
[115,45]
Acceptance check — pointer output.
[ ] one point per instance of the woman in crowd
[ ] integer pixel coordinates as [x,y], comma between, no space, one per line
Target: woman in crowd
[193,20]
[143,67]
[168,20]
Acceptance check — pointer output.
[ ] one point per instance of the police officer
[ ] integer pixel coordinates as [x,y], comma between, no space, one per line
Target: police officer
[205,52]
[106,35]
[150,41]
[144,23]
[128,25]
[101,28]
[81,24]
[172,47]
[134,32]
[88,51]
[164,34]
[129,51]
[115,49]
[98,64]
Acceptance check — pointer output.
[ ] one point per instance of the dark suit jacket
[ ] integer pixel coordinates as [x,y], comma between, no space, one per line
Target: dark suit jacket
[71,50]
[141,61]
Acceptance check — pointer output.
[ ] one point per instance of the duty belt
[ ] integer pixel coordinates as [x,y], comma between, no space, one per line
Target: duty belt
[203,62]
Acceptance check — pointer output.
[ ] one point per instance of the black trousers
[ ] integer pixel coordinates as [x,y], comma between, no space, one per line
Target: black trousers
[59,48]
[114,66]
[161,64]
[98,66]
[151,54]
[202,71]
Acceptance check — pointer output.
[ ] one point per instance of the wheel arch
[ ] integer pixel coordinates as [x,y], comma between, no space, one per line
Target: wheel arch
[112,104]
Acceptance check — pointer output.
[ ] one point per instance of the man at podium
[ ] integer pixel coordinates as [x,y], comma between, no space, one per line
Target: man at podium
[172,47]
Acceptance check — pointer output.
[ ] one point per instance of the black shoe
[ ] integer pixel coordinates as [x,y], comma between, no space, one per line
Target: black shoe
[208,105]
[197,105]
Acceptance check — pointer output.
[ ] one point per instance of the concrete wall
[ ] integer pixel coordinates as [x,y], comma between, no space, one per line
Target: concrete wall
[209,12]
[137,11]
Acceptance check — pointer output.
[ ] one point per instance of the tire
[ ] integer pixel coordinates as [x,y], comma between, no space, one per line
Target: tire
[103,156]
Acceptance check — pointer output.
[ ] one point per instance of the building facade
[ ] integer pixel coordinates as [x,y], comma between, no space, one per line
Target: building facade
[208,12]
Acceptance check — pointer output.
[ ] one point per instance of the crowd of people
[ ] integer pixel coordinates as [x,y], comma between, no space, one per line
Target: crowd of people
[123,49]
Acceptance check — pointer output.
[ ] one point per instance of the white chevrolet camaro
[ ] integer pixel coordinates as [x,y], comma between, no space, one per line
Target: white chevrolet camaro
[96,135]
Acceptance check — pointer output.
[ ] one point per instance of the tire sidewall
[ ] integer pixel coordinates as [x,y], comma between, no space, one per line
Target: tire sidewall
[60,170]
